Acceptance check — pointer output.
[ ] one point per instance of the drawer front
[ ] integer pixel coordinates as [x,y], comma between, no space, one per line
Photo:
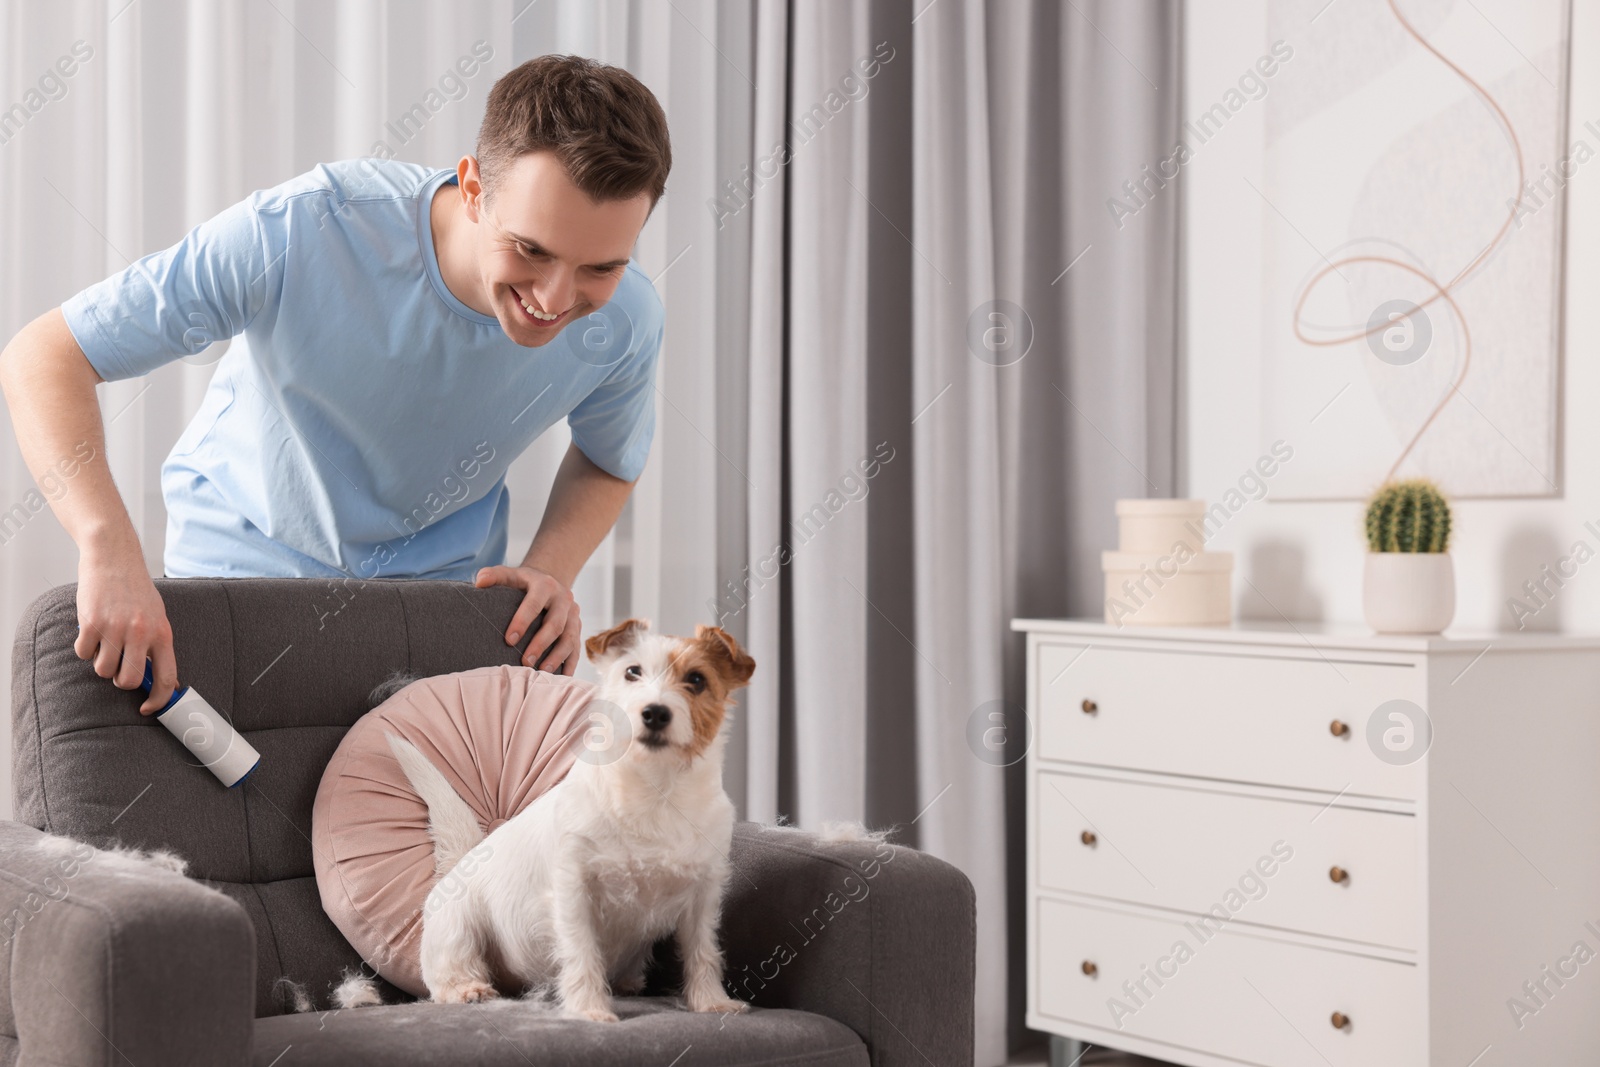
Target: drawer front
[1238,718]
[1258,1001]
[1240,859]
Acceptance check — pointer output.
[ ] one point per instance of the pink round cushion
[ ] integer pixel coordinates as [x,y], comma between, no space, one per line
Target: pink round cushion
[502,736]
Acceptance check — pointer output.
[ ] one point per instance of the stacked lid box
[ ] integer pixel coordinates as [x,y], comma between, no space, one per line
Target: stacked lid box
[1160,573]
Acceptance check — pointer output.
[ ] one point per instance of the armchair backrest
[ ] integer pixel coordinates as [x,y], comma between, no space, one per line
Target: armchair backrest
[290,662]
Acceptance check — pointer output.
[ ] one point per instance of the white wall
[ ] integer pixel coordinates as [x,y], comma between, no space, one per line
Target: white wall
[1304,560]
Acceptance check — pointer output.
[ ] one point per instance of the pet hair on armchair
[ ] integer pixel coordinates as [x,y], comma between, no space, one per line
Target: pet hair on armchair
[389,687]
[356,989]
[117,857]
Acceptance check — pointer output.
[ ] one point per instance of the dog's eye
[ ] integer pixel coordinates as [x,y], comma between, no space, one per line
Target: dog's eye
[695,680]
[633,673]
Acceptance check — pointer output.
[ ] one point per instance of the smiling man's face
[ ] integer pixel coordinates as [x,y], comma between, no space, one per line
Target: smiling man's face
[546,253]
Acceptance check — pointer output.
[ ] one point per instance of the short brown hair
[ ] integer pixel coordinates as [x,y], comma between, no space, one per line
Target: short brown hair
[605,127]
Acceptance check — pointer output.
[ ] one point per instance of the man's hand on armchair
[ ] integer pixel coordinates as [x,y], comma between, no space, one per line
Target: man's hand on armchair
[554,646]
[583,506]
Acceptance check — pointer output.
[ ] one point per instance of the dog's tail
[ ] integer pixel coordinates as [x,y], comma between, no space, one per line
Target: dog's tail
[451,824]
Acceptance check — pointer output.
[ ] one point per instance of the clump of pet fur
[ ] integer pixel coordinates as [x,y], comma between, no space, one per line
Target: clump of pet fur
[834,832]
[292,996]
[356,989]
[117,858]
[389,687]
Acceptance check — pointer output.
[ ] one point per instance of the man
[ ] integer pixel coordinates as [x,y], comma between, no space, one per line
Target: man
[408,332]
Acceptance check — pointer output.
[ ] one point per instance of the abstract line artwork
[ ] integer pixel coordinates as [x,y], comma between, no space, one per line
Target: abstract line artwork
[1415,158]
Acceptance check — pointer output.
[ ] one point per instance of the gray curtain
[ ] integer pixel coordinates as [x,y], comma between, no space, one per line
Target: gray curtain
[910,297]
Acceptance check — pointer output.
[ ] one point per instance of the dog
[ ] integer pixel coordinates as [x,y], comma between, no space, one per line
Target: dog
[630,846]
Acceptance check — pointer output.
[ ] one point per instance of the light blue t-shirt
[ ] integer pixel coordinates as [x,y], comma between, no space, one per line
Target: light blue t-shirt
[363,423]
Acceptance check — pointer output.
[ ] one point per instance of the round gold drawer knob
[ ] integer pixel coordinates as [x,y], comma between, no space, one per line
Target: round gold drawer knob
[1089,706]
[1339,874]
[1090,969]
[1088,837]
[1338,729]
[1340,1020]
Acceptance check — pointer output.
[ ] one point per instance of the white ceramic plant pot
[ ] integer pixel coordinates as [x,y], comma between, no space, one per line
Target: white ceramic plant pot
[1409,592]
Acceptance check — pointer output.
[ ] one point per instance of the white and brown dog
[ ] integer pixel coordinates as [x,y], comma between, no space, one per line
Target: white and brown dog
[571,894]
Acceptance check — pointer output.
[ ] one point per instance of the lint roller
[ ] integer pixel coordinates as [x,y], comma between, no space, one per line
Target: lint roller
[215,743]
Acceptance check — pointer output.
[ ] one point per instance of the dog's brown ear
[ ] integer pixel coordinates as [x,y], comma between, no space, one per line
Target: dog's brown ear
[737,666]
[615,641]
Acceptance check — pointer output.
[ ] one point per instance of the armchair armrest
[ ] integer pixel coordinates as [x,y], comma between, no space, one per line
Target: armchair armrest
[109,960]
[877,936]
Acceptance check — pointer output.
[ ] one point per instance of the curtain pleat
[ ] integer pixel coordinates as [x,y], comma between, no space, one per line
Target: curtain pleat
[749,596]
[827,428]
[960,620]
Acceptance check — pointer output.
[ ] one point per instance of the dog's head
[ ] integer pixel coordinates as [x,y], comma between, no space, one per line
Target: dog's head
[674,690]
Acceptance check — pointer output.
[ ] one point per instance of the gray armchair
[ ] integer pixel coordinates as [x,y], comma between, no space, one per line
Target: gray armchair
[845,958]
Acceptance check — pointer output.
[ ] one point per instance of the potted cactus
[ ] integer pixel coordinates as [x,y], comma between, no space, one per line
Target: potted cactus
[1410,585]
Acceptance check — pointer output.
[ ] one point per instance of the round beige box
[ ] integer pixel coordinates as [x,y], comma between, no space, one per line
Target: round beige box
[1154,589]
[1156,526]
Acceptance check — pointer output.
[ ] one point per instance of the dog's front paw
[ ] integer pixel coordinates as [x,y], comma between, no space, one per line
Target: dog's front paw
[595,1014]
[465,992]
[718,1004]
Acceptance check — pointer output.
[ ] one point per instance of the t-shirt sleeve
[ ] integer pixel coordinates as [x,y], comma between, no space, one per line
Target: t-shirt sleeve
[175,302]
[613,426]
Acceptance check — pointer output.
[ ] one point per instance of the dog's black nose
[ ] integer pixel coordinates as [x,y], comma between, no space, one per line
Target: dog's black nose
[656,716]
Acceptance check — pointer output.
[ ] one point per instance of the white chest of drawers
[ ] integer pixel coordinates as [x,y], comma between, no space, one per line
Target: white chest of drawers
[1246,845]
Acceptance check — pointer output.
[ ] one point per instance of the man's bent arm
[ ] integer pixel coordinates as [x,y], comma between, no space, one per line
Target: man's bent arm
[583,506]
[49,387]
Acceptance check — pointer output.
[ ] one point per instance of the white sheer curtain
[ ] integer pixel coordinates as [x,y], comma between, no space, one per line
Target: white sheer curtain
[818,313]
[184,108]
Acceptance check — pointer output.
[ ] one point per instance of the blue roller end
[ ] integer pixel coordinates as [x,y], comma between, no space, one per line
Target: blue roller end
[246,774]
